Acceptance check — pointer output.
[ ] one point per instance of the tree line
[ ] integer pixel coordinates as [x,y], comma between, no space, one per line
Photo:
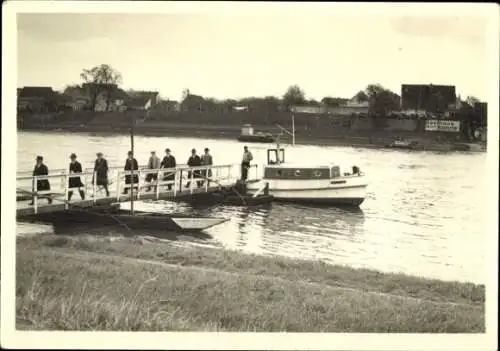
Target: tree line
[106,80]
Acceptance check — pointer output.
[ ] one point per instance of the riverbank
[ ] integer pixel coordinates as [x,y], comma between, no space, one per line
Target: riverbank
[104,283]
[232,132]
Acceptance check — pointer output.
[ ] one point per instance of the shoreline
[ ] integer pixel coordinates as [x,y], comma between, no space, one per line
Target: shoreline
[232,132]
[94,282]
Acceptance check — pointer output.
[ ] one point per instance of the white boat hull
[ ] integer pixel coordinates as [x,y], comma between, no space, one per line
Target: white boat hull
[351,193]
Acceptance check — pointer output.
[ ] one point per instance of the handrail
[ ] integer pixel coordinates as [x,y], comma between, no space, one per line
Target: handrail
[123,172]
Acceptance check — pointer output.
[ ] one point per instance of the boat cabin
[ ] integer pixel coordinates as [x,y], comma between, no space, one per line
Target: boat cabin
[247,129]
[275,156]
[276,170]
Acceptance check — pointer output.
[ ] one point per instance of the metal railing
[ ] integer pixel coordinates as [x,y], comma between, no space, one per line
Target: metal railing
[168,180]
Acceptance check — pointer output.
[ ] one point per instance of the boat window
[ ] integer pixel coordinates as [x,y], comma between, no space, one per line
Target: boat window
[297,172]
[335,171]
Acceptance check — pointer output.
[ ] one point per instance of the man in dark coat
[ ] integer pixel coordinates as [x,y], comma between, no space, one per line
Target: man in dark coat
[75,182]
[41,184]
[194,161]
[168,162]
[131,164]
[101,172]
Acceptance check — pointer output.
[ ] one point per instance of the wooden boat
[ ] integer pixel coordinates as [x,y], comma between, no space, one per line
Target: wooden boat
[404,144]
[116,217]
[257,138]
[247,135]
[326,184]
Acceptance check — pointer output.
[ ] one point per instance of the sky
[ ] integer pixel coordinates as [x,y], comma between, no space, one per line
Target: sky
[232,56]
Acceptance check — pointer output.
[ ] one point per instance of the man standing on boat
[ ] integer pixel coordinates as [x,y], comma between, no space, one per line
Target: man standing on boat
[100,177]
[154,163]
[168,162]
[75,182]
[194,161]
[245,163]
[42,184]
[206,160]
[131,164]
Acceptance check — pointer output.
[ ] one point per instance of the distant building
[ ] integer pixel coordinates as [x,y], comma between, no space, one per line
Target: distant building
[481,113]
[36,99]
[168,106]
[193,103]
[429,97]
[141,101]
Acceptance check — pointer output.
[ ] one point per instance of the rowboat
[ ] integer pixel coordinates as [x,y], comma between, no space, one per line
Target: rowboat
[114,216]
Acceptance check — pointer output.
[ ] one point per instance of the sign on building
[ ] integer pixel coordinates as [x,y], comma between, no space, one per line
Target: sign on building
[432,125]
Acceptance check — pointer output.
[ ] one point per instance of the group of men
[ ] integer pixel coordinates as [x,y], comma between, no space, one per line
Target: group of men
[101,171]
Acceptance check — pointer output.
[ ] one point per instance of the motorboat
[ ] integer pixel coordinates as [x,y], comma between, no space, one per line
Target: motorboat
[327,184]
[400,143]
[248,135]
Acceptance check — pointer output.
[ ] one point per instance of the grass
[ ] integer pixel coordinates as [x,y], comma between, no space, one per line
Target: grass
[101,283]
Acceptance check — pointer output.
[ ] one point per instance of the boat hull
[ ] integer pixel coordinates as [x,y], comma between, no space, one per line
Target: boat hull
[256,139]
[138,221]
[347,195]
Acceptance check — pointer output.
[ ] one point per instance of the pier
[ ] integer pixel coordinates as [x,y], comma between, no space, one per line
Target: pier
[184,185]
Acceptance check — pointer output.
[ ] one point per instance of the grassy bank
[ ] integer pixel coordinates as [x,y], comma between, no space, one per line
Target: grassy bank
[96,283]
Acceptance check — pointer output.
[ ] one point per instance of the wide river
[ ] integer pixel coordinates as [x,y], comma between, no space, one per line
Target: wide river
[424,214]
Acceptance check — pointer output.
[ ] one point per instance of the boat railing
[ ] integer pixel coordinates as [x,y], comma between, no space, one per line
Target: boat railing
[173,180]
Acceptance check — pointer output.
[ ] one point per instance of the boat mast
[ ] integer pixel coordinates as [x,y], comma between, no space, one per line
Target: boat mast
[278,161]
[132,170]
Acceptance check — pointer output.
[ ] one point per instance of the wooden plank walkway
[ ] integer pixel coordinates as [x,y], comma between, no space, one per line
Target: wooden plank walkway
[222,176]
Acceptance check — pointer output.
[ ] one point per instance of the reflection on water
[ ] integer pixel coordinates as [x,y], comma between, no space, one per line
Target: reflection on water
[424,213]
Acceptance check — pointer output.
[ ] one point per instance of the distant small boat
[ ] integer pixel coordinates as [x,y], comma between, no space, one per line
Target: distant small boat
[247,135]
[404,144]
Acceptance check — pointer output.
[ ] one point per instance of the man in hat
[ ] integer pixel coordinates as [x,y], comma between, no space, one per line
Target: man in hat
[101,172]
[206,160]
[154,163]
[245,163]
[194,161]
[168,162]
[75,182]
[41,184]
[131,164]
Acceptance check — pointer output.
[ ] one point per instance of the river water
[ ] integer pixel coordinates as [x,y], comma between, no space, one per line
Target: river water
[424,215]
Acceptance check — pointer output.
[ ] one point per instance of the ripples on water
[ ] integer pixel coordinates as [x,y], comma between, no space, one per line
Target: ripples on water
[424,213]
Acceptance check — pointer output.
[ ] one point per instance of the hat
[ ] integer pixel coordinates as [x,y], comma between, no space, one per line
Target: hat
[167,150]
[193,151]
[130,153]
[153,152]
[39,158]
[73,155]
[99,154]
[206,149]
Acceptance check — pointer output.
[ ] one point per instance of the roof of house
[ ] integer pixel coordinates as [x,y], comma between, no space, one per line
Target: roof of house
[137,101]
[43,92]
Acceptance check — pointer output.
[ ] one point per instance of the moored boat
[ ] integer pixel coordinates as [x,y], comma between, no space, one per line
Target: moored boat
[114,216]
[404,144]
[327,184]
[248,135]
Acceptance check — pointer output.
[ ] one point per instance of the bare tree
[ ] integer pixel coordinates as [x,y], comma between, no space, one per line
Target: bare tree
[101,79]
[294,96]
